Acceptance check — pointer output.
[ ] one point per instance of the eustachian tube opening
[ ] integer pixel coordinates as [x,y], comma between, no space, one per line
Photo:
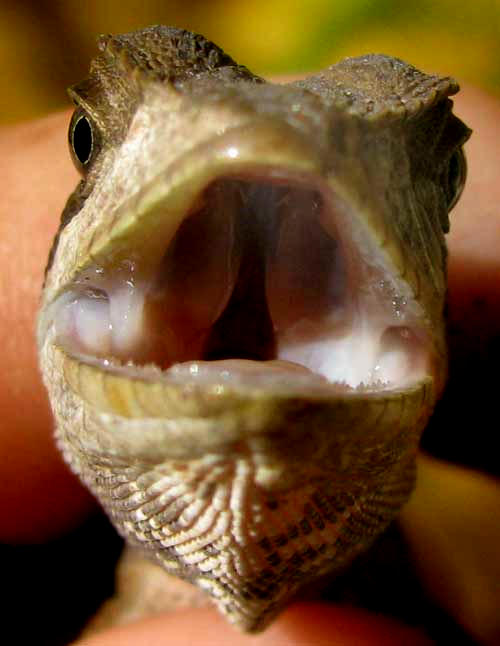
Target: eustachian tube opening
[258,271]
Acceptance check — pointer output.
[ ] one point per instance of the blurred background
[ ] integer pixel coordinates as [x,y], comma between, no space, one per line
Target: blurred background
[45,45]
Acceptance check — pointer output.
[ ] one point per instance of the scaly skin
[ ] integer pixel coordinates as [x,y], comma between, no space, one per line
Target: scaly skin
[251,489]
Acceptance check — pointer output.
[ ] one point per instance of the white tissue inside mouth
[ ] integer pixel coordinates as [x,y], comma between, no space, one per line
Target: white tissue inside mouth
[126,313]
[102,325]
[365,354]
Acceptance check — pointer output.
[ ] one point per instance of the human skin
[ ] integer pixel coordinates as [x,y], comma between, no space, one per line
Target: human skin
[40,499]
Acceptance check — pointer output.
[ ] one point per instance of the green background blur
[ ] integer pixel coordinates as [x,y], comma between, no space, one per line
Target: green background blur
[46,45]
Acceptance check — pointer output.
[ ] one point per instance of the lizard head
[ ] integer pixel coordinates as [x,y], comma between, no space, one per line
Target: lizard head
[242,328]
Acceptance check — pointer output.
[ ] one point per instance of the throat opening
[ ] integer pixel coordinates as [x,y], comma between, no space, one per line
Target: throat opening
[245,329]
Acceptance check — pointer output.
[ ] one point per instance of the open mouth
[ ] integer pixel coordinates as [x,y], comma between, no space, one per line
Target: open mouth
[264,275]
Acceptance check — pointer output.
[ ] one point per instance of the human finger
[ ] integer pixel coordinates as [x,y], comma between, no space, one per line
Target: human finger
[300,625]
[40,497]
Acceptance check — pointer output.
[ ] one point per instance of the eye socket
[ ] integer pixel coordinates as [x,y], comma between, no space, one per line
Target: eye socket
[456,174]
[83,140]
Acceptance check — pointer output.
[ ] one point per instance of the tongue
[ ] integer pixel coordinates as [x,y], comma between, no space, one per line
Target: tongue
[230,368]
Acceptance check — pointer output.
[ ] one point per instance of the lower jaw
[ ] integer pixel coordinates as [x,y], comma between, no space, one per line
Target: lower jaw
[201,388]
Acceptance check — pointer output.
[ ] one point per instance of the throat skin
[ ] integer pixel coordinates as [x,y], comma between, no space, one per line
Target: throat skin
[245,477]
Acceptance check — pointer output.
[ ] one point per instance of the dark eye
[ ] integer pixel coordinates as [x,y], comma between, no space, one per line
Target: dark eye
[83,140]
[457,172]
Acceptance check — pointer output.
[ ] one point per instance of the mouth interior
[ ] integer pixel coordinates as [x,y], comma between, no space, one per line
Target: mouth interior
[260,273]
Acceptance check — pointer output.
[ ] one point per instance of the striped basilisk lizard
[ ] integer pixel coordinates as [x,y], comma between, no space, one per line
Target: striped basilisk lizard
[242,329]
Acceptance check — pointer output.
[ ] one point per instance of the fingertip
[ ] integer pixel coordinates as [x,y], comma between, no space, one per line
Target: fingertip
[300,625]
[40,498]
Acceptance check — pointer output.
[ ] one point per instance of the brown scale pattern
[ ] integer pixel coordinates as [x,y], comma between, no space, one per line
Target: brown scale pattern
[249,548]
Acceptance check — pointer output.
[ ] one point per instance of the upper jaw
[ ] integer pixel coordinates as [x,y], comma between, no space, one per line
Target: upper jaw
[366,334]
